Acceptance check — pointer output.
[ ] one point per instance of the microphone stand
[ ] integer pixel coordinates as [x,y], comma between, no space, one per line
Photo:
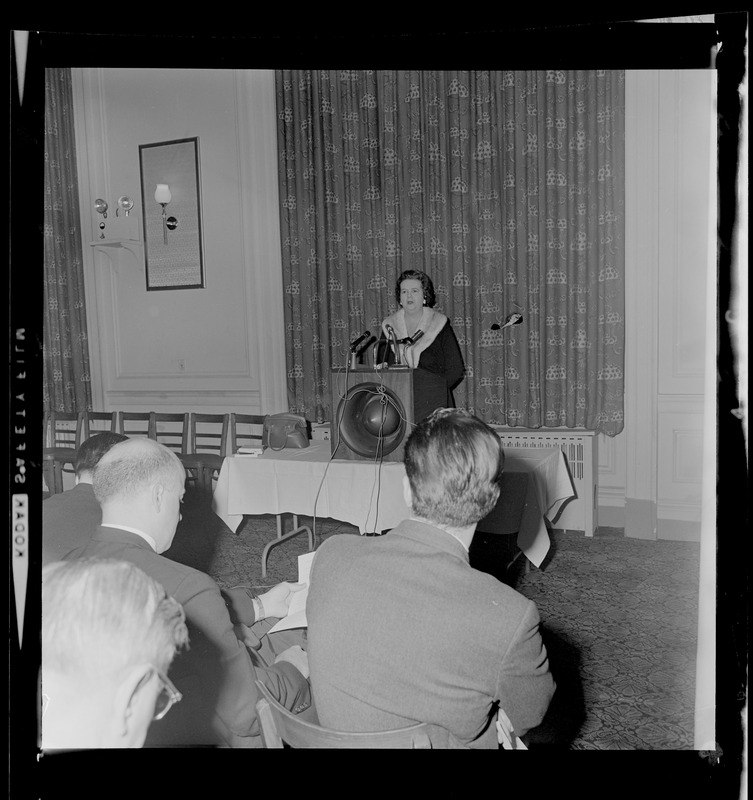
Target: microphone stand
[393,336]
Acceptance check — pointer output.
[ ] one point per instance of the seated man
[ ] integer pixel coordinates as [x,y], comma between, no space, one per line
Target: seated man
[403,630]
[109,633]
[140,484]
[70,518]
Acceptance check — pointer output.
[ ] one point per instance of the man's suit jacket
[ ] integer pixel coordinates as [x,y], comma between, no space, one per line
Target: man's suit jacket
[68,521]
[216,674]
[402,630]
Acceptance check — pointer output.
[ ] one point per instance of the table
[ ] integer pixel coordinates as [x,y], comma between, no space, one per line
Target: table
[369,495]
[548,488]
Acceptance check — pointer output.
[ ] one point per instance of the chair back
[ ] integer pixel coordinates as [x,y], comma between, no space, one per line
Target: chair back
[136,423]
[64,429]
[245,431]
[209,433]
[94,422]
[171,430]
[280,727]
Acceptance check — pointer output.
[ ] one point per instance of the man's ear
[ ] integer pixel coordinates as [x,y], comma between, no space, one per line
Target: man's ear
[133,706]
[158,496]
[407,493]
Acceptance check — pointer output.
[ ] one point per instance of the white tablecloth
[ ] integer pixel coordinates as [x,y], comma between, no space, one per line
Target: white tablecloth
[549,487]
[368,495]
[307,483]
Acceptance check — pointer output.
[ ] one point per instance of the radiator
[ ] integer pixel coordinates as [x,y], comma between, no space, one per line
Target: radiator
[580,451]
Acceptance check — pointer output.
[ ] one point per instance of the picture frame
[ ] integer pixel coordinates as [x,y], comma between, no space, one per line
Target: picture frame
[173,241]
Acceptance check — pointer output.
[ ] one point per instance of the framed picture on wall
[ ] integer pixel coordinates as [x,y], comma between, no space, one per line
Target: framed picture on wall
[171,202]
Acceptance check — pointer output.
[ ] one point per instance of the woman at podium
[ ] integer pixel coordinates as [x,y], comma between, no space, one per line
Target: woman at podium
[421,338]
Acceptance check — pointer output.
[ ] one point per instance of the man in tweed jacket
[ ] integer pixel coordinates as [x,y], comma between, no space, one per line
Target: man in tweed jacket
[403,630]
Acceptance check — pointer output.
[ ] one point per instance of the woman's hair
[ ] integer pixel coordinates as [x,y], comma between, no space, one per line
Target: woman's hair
[101,616]
[430,297]
[453,462]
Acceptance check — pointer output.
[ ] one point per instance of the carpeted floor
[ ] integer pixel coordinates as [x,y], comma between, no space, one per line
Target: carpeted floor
[619,619]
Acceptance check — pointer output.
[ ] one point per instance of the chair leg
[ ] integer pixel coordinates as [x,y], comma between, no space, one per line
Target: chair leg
[58,477]
[206,480]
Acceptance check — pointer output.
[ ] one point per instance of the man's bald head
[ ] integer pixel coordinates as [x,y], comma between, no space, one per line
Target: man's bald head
[135,466]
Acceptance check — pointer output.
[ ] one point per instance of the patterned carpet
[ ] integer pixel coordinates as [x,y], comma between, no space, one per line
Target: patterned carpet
[619,621]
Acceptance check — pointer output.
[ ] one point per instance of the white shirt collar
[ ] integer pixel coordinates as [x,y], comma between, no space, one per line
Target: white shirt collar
[143,535]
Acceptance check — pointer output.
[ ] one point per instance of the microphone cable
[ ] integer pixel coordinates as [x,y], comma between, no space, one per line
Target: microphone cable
[333,450]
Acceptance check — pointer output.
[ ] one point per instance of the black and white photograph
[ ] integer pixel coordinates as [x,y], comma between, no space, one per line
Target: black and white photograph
[381,389]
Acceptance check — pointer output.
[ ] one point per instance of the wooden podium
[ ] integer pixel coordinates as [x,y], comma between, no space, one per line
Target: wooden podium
[373,415]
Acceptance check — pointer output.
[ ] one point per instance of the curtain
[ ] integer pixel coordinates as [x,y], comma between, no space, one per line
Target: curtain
[507,188]
[66,381]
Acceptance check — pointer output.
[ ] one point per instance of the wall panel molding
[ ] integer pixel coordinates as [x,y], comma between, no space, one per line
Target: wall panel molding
[608,458]
[642,267]
[687,446]
[218,401]
[257,138]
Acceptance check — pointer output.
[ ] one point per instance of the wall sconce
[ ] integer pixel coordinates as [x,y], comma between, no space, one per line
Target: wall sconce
[163,196]
[126,204]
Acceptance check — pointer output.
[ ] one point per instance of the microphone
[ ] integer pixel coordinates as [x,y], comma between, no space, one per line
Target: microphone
[512,319]
[354,344]
[416,336]
[393,336]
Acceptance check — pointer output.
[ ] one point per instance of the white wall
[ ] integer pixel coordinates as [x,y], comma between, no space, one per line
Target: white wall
[650,476]
[220,347]
[230,334]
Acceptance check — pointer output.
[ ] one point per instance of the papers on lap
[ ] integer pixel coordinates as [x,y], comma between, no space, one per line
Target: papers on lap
[296,617]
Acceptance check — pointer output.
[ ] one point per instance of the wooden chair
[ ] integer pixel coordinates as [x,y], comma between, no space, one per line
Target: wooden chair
[280,727]
[208,443]
[136,423]
[171,430]
[248,436]
[62,436]
[94,422]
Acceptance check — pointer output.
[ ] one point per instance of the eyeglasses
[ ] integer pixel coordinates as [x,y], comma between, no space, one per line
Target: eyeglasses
[167,696]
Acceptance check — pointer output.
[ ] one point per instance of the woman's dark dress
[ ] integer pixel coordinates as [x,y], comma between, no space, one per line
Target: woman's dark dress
[440,369]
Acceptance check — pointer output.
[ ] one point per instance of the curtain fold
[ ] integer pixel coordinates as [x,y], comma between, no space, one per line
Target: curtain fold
[66,380]
[507,188]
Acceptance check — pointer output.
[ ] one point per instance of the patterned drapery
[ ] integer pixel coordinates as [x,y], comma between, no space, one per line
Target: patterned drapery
[67,385]
[507,188]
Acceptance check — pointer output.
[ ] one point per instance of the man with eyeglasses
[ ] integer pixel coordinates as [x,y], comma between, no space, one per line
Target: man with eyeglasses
[109,633]
[140,485]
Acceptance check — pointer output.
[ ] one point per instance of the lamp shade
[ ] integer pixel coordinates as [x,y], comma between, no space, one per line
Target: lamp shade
[163,195]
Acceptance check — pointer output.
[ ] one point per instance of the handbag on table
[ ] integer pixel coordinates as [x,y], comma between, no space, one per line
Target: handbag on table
[284,430]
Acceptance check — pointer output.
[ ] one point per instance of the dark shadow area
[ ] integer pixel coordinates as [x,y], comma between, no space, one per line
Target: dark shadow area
[195,541]
[198,674]
[492,553]
[498,555]
[567,711]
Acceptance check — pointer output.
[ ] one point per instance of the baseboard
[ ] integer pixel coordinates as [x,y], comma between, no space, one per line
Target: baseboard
[640,518]
[612,516]
[678,530]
